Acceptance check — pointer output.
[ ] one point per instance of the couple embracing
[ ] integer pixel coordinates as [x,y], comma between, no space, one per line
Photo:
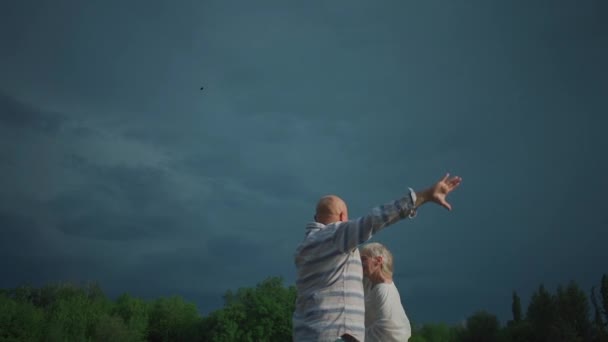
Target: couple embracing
[345,287]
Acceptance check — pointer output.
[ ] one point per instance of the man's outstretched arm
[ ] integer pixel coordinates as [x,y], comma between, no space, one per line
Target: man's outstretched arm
[351,234]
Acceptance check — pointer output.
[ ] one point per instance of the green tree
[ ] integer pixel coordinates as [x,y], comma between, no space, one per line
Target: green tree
[23,293]
[49,294]
[518,332]
[458,333]
[572,310]
[516,308]
[542,316]
[223,325]
[173,319]
[417,338]
[20,320]
[69,318]
[113,328]
[604,295]
[517,329]
[72,311]
[597,318]
[255,314]
[439,332]
[599,326]
[481,327]
[134,313]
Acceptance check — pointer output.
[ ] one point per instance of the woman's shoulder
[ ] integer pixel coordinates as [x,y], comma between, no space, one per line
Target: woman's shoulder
[385,289]
[386,286]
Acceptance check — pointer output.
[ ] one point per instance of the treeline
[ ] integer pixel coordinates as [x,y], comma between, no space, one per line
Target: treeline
[66,312]
[564,316]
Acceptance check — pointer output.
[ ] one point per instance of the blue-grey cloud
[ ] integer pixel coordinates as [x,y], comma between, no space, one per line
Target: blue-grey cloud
[116,166]
[18,115]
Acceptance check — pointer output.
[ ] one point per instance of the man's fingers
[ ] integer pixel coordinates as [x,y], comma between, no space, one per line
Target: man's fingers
[447,175]
[454,182]
[445,205]
[442,202]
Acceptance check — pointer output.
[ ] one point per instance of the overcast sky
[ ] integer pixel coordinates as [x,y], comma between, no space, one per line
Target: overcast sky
[115,167]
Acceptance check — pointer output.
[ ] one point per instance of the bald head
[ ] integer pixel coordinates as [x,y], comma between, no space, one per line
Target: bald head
[331,208]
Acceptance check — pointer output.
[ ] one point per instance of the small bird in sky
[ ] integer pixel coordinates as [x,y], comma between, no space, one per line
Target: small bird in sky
[202,88]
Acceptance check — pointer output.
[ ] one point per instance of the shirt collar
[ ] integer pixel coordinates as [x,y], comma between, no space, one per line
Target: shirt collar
[314,226]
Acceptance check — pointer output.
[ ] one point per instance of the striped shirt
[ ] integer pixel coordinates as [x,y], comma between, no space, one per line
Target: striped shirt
[330,299]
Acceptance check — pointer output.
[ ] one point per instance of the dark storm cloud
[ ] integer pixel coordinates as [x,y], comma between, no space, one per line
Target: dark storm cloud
[119,228]
[18,115]
[116,167]
[16,233]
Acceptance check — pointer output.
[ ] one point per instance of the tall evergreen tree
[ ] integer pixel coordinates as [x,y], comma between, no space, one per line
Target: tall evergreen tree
[542,316]
[516,308]
[604,294]
[572,309]
[598,322]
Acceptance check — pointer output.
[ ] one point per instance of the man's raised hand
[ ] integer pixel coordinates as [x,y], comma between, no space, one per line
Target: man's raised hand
[438,192]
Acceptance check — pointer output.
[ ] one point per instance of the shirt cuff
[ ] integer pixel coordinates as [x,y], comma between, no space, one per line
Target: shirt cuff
[413,209]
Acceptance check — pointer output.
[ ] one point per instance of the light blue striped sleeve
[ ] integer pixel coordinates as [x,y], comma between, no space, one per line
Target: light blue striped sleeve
[349,235]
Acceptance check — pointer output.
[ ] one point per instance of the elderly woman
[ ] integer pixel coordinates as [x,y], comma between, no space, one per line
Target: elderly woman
[385,318]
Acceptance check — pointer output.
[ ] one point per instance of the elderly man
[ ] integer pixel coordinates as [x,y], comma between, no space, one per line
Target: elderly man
[330,304]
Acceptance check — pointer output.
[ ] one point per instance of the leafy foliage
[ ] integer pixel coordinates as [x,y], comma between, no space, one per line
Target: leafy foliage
[254,314]
[482,326]
[19,321]
[65,312]
[172,319]
[434,332]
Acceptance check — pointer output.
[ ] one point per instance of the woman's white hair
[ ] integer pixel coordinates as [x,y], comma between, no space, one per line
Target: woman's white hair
[375,249]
